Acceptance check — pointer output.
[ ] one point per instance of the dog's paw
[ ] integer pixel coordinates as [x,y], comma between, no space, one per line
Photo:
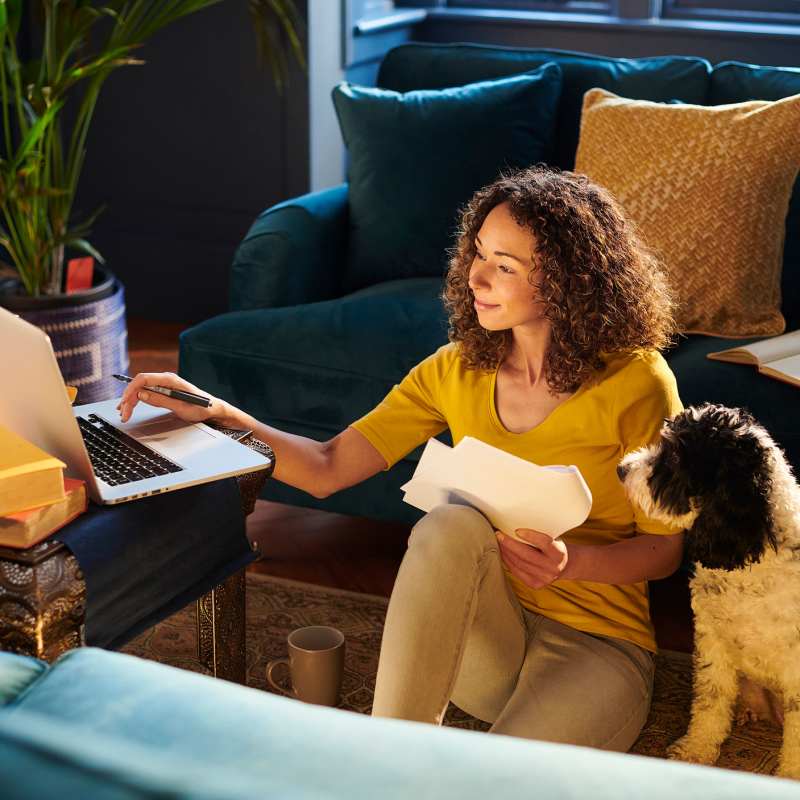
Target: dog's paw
[686,749]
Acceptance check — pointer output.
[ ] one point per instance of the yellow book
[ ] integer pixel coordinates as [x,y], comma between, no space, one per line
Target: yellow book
[29,477]
[27,528]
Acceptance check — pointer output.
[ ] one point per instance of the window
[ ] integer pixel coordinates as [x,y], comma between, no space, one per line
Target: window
[768,11]
[577,6]
[764,11]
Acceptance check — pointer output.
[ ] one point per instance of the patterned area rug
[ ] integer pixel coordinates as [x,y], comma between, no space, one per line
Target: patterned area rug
[276,606]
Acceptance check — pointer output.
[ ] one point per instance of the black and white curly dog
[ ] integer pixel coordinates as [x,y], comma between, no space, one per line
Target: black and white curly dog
[718,475]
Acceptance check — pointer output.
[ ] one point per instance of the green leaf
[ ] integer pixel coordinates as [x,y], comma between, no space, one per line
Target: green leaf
[14,16]
[273,19]
[84,246]
[82,229]
[107,61]
[36,132]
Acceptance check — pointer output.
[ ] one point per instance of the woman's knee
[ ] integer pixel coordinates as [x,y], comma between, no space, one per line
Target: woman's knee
[453,528]
[578,688]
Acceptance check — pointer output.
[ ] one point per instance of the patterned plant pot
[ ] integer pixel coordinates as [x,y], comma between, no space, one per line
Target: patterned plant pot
[87,330]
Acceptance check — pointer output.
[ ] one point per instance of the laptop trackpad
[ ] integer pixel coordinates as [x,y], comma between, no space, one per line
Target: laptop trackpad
[173,438]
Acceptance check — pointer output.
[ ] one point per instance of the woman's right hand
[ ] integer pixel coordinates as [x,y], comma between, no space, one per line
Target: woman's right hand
[136,390]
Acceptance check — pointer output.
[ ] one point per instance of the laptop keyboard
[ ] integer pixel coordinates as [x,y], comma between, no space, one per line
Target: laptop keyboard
[118,458]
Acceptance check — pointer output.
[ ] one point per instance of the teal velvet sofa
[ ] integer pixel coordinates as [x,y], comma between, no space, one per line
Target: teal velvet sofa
[308,346]
[97,725]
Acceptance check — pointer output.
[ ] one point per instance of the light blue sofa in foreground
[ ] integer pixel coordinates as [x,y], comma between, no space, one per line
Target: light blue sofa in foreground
[98,725]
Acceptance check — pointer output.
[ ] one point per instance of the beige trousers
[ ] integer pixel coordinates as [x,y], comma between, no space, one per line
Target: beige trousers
[456,631]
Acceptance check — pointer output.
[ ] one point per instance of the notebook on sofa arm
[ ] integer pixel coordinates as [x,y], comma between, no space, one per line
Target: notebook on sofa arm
[777,357]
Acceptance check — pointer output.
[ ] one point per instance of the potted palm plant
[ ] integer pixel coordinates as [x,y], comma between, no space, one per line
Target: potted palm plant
[48,100]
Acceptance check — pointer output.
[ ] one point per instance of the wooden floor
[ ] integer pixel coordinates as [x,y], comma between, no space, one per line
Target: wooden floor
[354,553]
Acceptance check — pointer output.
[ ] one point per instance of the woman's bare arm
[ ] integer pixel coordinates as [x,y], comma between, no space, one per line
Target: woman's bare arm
[319,468]
[643,557]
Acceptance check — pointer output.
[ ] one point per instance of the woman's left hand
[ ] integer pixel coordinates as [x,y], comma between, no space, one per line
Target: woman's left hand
[538,563]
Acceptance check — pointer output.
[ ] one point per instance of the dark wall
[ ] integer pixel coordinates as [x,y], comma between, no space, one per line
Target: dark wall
[186,151]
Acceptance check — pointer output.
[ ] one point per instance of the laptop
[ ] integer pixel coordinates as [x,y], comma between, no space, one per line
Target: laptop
[153,452]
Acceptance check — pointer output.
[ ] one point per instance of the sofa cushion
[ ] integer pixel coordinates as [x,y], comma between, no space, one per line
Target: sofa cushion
[433,66]
[732,82]
[17,673]
[416,158]
[323,363]
[708,189]
[42,757]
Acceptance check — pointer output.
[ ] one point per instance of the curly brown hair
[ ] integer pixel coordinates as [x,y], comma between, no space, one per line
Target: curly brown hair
[602,290]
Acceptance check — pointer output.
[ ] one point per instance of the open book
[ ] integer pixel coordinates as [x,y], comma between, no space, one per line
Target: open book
[509,491]
[778,357]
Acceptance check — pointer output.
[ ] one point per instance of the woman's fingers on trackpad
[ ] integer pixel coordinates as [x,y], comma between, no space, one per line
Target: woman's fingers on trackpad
[132,394]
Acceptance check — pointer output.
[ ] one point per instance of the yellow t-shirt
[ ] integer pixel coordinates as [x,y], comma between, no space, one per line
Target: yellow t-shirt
[622,410]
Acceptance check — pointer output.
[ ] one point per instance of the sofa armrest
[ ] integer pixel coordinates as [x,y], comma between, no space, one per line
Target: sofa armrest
[103,725]
[294,253]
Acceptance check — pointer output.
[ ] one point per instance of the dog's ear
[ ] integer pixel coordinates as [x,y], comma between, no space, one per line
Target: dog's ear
[735,524]
[669,481]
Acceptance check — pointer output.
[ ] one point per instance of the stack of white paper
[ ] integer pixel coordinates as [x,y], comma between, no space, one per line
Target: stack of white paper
[509,491]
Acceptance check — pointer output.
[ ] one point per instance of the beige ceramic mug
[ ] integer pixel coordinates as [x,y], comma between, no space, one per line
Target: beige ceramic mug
[316,665]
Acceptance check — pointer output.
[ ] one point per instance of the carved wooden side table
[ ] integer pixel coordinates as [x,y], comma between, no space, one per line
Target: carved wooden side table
[221,612]
[43,598]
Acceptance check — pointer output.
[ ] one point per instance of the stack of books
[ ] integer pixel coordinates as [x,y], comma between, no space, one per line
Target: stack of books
[35,497]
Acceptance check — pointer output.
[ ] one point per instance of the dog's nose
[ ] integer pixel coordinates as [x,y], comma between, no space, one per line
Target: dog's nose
[622,471]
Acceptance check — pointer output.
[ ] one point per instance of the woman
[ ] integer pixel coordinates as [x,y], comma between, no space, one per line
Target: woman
[557,313]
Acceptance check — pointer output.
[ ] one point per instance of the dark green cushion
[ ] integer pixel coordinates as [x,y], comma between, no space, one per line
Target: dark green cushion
[415,158]
[663,78]
[323,364]
[732,82]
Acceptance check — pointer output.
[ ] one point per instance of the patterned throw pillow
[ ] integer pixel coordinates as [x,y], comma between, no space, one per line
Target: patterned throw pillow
[708,188]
